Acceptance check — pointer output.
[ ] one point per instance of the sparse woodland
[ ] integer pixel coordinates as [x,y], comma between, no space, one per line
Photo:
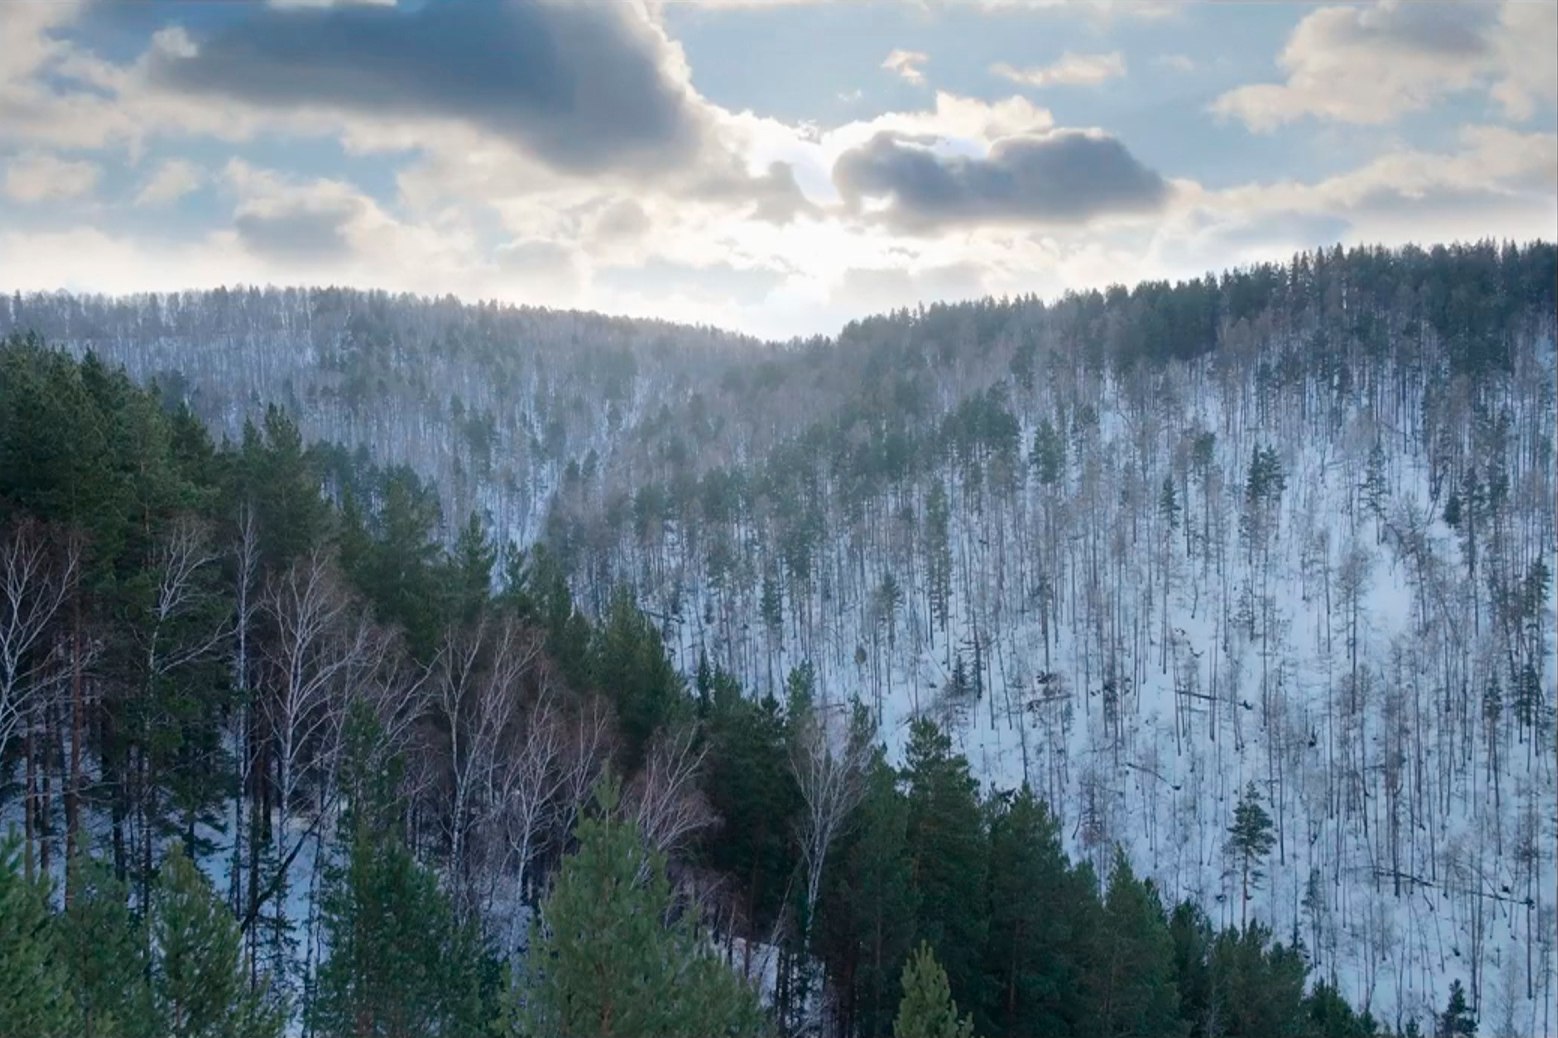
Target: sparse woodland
[1174,660]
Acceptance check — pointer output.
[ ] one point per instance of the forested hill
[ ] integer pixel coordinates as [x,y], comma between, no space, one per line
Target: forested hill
[1279,539]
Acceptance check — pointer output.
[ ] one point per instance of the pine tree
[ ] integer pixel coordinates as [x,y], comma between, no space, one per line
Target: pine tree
[199,980]
[607,963]
[927,1009]
[1457,1020]
[1039,910]
[1250,839]
[1168,504]
[866,924]
[399,963]
[1130,976]
[35,987]
[947,840]
[104,948]
[1049,453]
[1258,986]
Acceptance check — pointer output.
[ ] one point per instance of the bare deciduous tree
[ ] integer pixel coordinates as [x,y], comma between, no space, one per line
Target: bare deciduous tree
[829,758]
[35,581]
[663,800]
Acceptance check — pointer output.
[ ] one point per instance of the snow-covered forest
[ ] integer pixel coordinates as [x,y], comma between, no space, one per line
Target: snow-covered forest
[1281,536]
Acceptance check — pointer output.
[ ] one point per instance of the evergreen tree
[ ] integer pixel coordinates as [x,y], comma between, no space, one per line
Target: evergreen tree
[1049,453]
[199,980]
[607,962]
[1457,1020]
[1250,839]
[35,986]
[1168,504]
[104,948]
[628,661]
[1257,986]
[948,847]
[1130,976]
[866,923]
[927,1009]
[1039,910]
[399,963]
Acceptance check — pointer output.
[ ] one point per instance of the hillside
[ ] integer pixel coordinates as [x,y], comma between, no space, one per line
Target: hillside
[1291,526]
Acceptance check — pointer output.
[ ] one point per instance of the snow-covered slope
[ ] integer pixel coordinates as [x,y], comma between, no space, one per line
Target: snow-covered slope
[1316,558]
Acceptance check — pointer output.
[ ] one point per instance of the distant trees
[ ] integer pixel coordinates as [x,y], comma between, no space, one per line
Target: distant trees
[772,513]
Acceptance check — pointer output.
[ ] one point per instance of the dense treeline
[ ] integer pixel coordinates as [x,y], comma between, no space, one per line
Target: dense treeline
[1140,548]
[288,751]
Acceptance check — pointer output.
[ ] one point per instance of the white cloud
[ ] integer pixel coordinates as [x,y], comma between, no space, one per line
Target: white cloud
[1070,70]
[906,64]
[41,177]
[1371,64]
[171,181]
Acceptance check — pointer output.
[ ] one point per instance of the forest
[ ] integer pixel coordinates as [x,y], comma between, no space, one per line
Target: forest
[1167,661]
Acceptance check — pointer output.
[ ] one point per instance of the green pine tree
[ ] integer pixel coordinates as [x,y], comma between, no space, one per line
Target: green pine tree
[866,921]
[399,963]
[1250,839]
[1039,910]
[35,986]
[948,846]
[927,1009]
[199,980]
[105,950]
[1130,976]
[1458,1020]
[608,963]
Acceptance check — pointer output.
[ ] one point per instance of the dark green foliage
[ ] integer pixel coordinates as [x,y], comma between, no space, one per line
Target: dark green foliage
[399,963]
[1331,1017]
[866,924]
[35,986]
[199,979]
[949,851]
[628,663]
[751,787]
[1039,913]
[1250,840]
[927,1009]
[1257,986]
[1457,1020]
[105,950]
[1048,456]
[609,961]
[1168,504]
[1130,980]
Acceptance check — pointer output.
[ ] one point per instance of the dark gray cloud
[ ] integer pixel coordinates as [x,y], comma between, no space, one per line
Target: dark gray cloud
[582,86]
[1066,177]
[313,230]
[1444,29]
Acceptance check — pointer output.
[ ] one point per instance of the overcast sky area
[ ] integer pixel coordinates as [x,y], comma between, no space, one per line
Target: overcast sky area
[772,166]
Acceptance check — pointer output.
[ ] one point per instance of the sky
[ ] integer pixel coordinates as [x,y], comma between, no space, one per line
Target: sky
[777,167]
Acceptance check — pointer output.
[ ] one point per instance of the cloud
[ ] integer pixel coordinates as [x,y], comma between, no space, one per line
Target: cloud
[1070,70]
[1062,177]
[41,177]
[906,64]
[583,87]
[715,282]
[1368,65]
[172,180]
[309,224]
[1175,62]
